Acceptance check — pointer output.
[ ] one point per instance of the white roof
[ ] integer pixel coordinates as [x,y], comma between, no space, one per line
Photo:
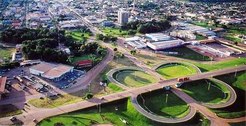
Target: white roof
[158,36]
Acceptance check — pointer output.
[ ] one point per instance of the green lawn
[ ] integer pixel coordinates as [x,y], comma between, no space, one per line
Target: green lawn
[115,32]
[202,92]
[169,71]
[220,65]
[6,52]
[9,110]
[109,115]
[156,103]
[238,83]
[78,35]
[186,53]
[114,87]
[232,37]
[200,37]
[92,57]
[204,24]
[133,78]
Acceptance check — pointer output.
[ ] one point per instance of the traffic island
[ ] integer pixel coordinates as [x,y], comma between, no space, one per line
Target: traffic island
[176,69]
[130,77]
[163,106]
[211,92]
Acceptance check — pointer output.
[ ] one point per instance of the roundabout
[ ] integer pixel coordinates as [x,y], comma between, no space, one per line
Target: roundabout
[175,69]
[130,77]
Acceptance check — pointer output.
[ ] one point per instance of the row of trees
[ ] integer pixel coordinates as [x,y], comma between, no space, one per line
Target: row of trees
[17,36]
[44,49]
[106,38]
[148,27]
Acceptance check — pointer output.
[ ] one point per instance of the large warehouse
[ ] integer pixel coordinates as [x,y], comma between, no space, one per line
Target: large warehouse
[54,72]
[160,41]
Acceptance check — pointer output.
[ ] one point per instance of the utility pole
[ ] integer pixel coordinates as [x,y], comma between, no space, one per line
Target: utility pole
[235,72]
[166,97]
[209,84]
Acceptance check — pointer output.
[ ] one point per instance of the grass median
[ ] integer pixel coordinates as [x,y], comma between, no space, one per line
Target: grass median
[206,91]
[164,103]
[238,83]
[173,70]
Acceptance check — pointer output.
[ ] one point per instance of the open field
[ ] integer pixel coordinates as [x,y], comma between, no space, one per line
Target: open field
[164,103]
[6,52]
[238,83]
[220,65]
[200,37]
[169,71]
[133,78]
[186,53]
[9,110]
[206,91]
[109,115]
[115,32]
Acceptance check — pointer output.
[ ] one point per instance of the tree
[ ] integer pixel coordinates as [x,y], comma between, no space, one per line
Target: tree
[115,49]
[133,52]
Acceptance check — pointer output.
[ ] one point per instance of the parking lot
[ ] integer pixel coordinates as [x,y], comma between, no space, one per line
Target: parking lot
[21,82]
[68,80]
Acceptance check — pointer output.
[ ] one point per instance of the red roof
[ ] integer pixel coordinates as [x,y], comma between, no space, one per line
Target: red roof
[84,62]
[2,84]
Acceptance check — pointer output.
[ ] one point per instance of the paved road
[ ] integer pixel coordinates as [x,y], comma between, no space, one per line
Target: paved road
[41,114]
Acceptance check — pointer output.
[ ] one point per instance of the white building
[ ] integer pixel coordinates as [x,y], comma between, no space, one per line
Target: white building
[160,41]
[51,71]
[136,42]
[123,17]
[160,45]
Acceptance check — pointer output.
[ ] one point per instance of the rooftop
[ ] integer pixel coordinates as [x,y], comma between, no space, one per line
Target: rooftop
[52,70]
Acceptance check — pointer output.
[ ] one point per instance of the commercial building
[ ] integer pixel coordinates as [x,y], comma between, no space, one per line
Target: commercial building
[54,72]
[159,41]
[194,29]
[123,17]
[136,42]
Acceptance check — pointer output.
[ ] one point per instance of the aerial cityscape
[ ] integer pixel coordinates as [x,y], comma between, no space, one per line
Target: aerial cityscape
[123,62]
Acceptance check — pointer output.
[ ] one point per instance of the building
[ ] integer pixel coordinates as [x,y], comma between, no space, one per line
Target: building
[17,55]
[135,42]
[84,63]
[160,41]
[54,72]
[122,17]
[2,85]
[108,24]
